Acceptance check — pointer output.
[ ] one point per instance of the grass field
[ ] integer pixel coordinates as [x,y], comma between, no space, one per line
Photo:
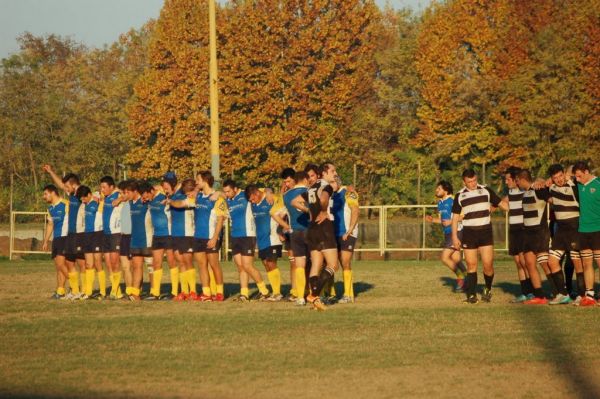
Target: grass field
[408,335]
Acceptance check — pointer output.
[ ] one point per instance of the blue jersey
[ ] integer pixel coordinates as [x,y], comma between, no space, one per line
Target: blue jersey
[445,210]
[182,219]
[342,203]
[124,210]
[59,215]
[242,220]
[111,217]
[161,217]
[91,217]
[206,213]
[298,219]
[141,224]
[266,227]
[74,205]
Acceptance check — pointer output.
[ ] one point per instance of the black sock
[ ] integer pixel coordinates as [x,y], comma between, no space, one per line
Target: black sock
[580,284]
[553,287]
[559,282]
[471,282]
[538,293]
[325,276]
[488,281]
[569,270]
[528,286]
[313,281]
[523,286]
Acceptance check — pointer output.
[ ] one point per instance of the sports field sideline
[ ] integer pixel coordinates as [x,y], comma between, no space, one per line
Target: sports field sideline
[408,335]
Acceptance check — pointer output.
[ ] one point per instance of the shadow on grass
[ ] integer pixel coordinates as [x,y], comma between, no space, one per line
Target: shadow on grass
[448,282]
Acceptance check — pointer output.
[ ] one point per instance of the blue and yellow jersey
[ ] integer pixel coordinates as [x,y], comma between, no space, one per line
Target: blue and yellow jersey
[242,219]
[266,227]
[298,219]
[58,214]
[161,216]
[445,210]
[342,203]
[124,211]
[74,205]
[89,217]
[207,209]
[141,224]
[111,216]
[182,219]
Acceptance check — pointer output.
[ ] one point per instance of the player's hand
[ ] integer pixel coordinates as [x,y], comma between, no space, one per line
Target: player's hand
[281,237]
[212,243]
[283,188]
[321,217]
[116,202]
[270,197]
[45,246]
[538,184]
[429,218]
[456,244]
[350,188]
[345,237]
[47,168]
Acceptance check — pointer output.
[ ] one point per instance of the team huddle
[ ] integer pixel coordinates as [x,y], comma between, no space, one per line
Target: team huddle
[123,227]
[572,236]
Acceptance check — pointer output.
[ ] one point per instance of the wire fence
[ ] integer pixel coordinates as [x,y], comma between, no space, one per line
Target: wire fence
[383,230]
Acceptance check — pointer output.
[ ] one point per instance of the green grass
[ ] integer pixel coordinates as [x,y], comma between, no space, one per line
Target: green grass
[408,335]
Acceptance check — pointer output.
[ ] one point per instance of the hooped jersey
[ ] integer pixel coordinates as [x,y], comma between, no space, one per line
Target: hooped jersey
[58,214]
[565,202]
[89,217]
[535,207]
[298,219]
[313,199]
[515,208]
[141,224]
[242,219]
[161,215]
[266,226]
[343,202]
[207,209]
[475,206]
[111,215]
[182,219]
[74,205]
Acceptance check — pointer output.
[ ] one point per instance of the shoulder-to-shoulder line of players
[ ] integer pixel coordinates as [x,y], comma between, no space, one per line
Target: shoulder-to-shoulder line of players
[121,228]
[570,234]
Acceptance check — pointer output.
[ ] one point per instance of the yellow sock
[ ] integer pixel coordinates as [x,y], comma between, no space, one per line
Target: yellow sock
[156,282]
[262,287]
[60,291]
[89,281]
[74,282]
[174,281]
[293,292]
[206,291]
[220,289]
[274,277]
[127,291]
[213,282]
[244,291]
[117,289]
[300,282]
[183,280]
[348,286]
[102,282]
[134,291]
[191,279]
[82,278]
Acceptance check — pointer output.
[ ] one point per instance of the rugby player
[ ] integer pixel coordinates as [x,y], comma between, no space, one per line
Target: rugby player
[450,256]
[111,227]
[141,235]
[123,219]
[89,222]
[57,228]
[243,240]
[268,241]
[282,219]
[589,226]
[169,185]
[475,203]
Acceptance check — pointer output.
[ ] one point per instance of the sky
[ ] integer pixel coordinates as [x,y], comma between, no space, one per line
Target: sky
[92,22]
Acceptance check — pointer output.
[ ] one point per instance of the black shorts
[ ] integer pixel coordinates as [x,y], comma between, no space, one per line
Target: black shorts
[243,245]
[270,253]
[201,245]
[515,241]
[74,247]
[145,252]
[473,238]
[589,241]
[347,245]
[183,245]
[448,240]
[125,245]
[287,244]
[111,243]
[59,246]
[92,242]
[566,237]
[161,242]
[536,239]
[298,243]
[321,237]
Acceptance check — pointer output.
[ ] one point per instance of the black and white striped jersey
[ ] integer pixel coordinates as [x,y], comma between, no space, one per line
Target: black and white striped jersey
[565,203]
[515,208]
[535,204]
[475,206]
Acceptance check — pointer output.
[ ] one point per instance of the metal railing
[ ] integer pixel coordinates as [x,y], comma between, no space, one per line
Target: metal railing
[383,222]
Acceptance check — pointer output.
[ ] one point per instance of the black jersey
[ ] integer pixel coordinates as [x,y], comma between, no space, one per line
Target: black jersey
[313,198]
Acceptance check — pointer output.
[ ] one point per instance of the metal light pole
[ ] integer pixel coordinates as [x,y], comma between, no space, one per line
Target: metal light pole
[214,95]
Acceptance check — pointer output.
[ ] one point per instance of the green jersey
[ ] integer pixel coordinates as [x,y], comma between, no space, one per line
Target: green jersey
[589,206]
